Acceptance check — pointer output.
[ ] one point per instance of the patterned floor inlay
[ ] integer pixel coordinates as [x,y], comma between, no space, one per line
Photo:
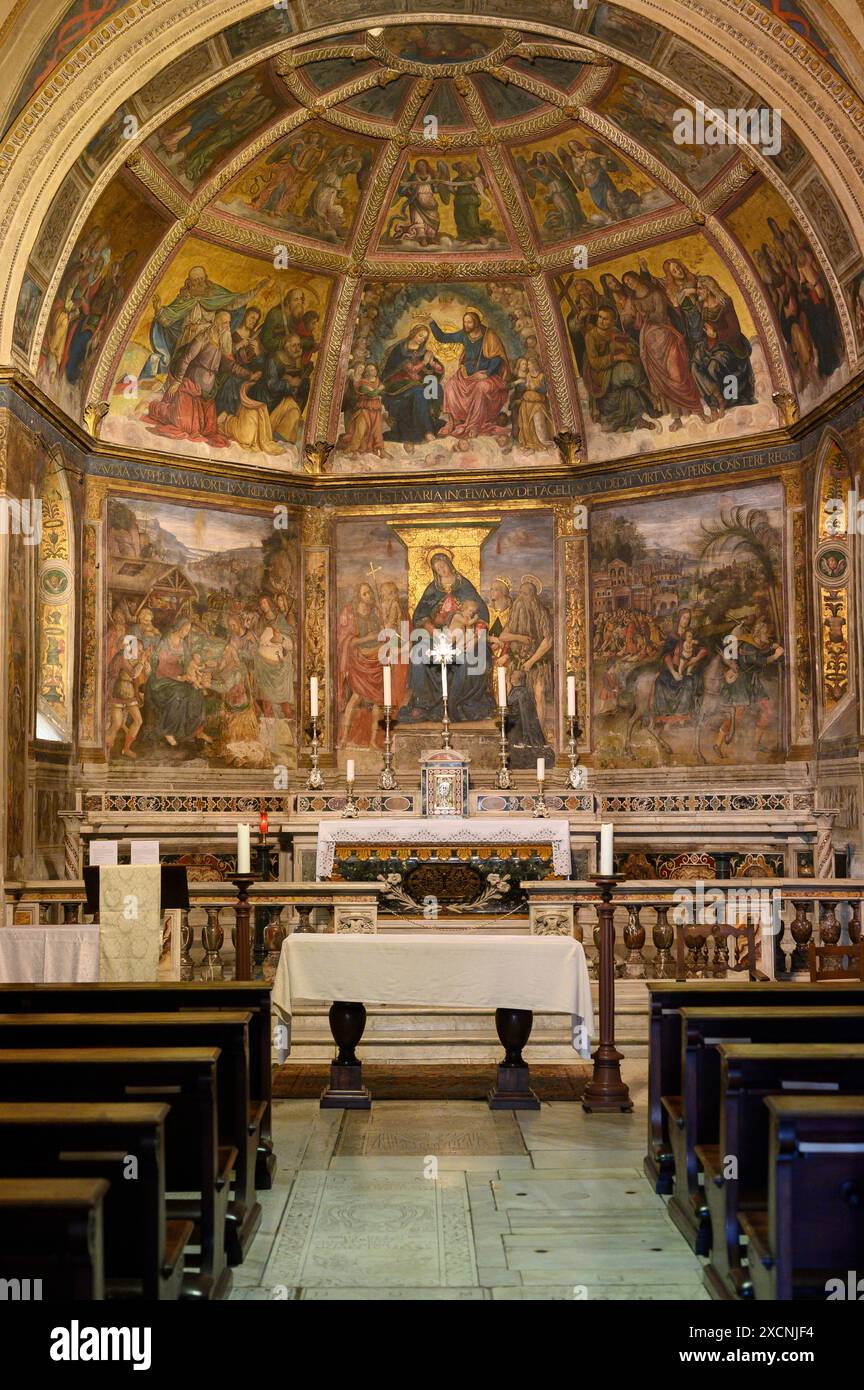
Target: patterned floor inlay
[376,1230]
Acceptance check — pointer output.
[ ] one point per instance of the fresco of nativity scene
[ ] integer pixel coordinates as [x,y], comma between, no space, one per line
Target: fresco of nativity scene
[201,646]
[688,645]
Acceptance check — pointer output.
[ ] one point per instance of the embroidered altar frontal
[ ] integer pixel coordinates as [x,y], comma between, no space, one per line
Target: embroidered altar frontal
[458,869]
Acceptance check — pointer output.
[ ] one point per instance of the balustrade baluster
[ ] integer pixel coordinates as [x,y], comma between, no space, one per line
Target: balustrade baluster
[802,934]
[274,934]
[187,936]
[213,937]
[634,939]
[594,962]
[829,927]
[663,935]
[854,927]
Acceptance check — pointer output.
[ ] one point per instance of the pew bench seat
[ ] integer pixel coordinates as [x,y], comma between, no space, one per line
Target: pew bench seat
[51,1247]
[144,1250]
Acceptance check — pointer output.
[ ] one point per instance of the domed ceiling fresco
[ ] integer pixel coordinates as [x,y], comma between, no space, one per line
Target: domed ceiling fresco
[436,248]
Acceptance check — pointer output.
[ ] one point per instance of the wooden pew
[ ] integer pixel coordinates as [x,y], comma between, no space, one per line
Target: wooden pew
[813,1229]
[748,1073]
[185,1079]
[51,1238]
[143,1250]
[222,1028]
[666,997]
[695,1115]
[164,996]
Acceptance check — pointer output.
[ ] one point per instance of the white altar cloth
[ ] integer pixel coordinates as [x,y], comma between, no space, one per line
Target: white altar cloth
[49,955]
[442,830]
[541,973]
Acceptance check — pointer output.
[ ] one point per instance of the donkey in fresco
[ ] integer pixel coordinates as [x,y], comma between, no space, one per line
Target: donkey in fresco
[709,707]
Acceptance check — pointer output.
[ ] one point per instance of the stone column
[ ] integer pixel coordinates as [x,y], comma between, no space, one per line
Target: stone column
[824,855]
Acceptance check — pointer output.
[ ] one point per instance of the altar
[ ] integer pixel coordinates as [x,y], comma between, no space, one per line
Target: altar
[446,866]
[514,975]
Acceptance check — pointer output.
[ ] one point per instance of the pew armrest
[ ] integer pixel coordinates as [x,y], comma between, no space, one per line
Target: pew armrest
[674,1107]
[754,1224]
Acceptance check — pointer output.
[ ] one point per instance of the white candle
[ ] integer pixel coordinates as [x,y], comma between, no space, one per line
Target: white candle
[444,679]
[502,687]
[388,687]
[243,849]
[606,845]
[313,696]
[349,770]
[541,769]
[571,697]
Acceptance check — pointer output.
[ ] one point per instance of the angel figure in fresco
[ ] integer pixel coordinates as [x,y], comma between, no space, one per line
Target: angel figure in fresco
[545,173]
[469,190]
[325,210]
[594,169]
[276,191]
[419,217]
[364,431]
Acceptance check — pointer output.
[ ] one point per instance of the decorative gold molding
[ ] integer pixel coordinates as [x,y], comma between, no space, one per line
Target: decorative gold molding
[316,454]
[571,448]
[94,413]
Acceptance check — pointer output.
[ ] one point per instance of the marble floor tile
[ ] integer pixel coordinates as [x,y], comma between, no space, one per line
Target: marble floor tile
[375,1229]
[567,1195]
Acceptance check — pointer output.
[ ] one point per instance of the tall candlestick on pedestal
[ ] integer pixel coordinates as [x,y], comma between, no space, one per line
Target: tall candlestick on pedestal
[387,777]
[445,722]
[502,778]
[606,1090]
[242,945]
[315,781]
[576,776]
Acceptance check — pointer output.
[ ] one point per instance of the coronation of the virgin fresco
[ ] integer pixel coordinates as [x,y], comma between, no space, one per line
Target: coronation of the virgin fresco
[440,248]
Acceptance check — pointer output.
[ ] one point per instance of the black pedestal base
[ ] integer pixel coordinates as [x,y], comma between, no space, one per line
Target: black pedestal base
[513,1089]
[346,1090]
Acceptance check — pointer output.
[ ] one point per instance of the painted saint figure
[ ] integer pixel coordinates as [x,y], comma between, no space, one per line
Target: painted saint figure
[476,394]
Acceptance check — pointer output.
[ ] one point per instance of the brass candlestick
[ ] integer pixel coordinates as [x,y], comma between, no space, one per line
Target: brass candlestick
[350,811]
[315,780]
[502,779]
[577,773]
[540,807]
[387,777]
